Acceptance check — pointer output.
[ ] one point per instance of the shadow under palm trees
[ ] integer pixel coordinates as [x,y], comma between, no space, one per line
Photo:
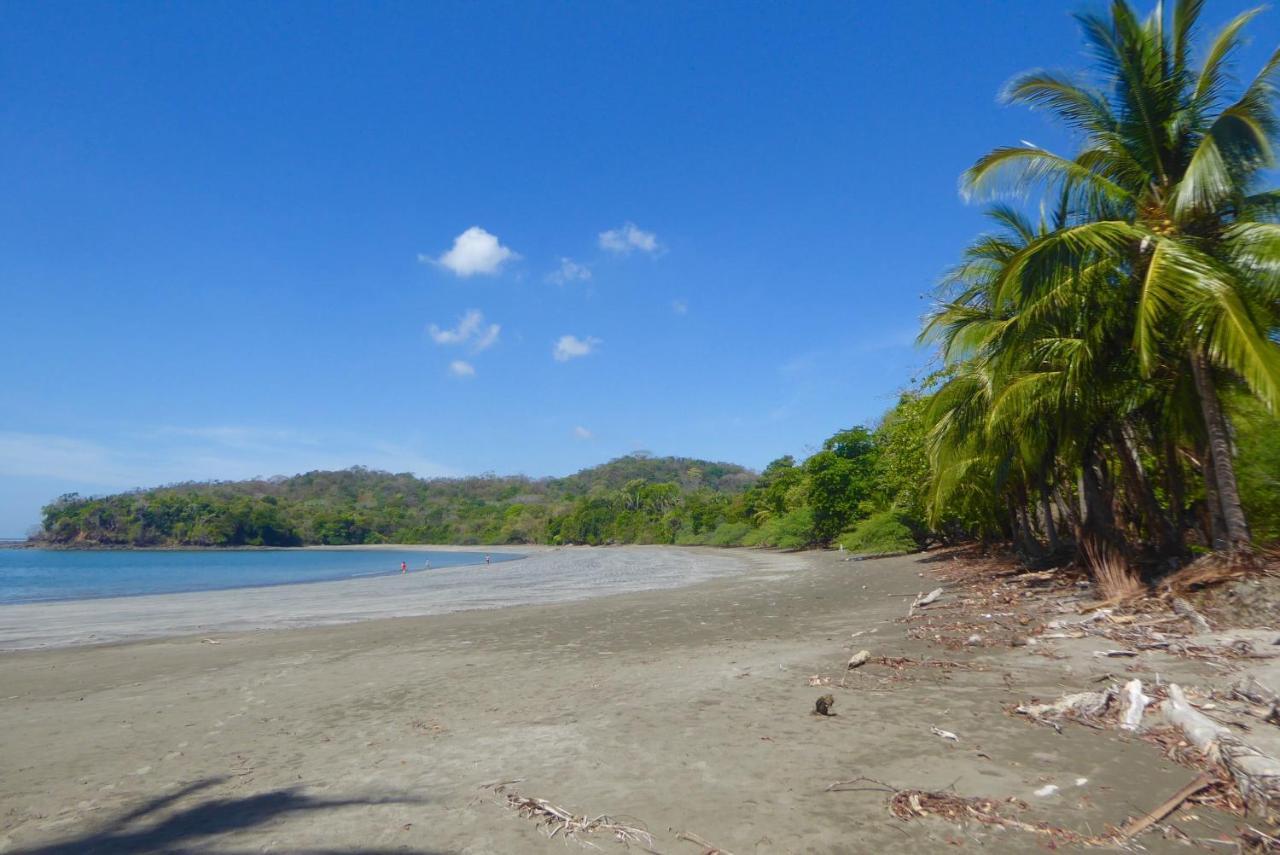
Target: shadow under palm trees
[190,829]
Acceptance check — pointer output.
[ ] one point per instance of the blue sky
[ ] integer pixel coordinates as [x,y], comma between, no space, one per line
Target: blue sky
[255,239]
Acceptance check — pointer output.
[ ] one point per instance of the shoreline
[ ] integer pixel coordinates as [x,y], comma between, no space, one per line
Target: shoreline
[540,576]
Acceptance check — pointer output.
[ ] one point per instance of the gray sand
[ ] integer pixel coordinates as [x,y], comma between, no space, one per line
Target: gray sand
[685,709]
[547,575]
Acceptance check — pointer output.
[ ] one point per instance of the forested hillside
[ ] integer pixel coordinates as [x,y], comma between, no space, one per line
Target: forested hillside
[364,506]
[873,480]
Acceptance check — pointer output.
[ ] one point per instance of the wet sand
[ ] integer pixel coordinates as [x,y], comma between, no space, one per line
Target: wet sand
[685,709]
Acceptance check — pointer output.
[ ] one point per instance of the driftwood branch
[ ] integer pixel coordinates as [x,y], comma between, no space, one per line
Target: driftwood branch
[707,847]
[923,600]
[1256,774]
[1184,609]
[1168,806]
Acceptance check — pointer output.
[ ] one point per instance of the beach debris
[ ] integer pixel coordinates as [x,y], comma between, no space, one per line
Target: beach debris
[922,599]
[1080,782]
[907,805]
[1249,690]
[1105,654]
[553,820]
[945,734]
[1132,705]
[1085,707]
[823,705]
[210,641]
[862,657]
[912,804]
[974,639]
[1137,826]
[708,848]
[857,660]
[1184,609]
[1255,773]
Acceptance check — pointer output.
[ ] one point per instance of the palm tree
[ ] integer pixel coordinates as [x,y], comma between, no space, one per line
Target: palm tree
[1161,225]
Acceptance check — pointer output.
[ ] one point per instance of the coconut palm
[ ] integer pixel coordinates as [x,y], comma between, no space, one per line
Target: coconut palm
[1162,231]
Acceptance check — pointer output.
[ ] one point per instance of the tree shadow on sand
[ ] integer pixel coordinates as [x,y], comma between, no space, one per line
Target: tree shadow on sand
[189,829]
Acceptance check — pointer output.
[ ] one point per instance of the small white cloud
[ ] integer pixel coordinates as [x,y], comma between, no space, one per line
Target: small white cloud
[474,251]
[582,433]
[572,347]
[680,307]
[458,368]
[467,326]
[569,271]
[628,238]
[487,339]
[471,328]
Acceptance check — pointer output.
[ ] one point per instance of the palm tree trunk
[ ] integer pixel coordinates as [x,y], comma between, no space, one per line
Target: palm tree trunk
[1098,525]
[1174,485]
[1217,528]
[1067,508]
[1224,471]
[1046,510]
[1153,517]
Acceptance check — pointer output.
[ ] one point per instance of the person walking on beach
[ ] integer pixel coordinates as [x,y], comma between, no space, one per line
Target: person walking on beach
[404,567]
[486,558]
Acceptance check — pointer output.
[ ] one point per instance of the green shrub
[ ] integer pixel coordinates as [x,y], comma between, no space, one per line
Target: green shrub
[729,534]
[688,538]
[794,530]
[879,533]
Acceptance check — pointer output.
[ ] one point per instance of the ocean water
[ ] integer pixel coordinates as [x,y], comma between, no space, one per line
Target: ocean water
[45,575]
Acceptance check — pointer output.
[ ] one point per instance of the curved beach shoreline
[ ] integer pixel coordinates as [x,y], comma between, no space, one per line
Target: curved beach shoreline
[542,575]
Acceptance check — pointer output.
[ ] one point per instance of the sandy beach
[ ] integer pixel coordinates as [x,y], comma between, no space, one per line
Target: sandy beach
[680,710]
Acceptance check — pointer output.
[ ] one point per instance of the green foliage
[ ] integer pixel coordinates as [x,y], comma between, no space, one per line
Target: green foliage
[902,459]
[879,534]
[1090,337]
[729,534]
[793,530]
[626,500]
[1258,467]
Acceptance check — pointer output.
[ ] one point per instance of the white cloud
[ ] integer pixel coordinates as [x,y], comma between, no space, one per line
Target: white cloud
[572,347]
[680,307]
[471,328]
[467,326]
[487,339]
[458,368]
[582,433]
[569,271]
[474,251]
[628,238]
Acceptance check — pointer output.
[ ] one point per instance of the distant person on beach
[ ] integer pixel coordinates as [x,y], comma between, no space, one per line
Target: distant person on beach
[486,559]
[404,567]
[426,566]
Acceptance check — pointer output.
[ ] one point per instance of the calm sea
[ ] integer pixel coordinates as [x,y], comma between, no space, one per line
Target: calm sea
[41,575]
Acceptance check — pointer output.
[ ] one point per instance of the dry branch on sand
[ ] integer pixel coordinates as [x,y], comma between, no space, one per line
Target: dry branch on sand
[1184,609]
[1087,708]
[554,820]
[917,804]
[707,847]
[923,600]
[1255,773]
